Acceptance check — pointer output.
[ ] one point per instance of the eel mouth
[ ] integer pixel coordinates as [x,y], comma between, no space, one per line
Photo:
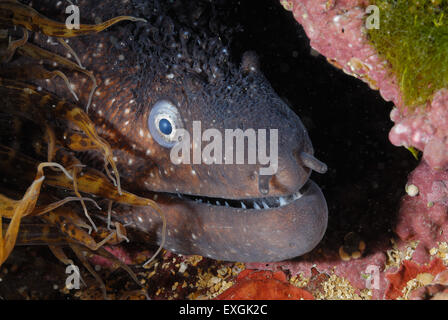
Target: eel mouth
[246,230]
[246,204]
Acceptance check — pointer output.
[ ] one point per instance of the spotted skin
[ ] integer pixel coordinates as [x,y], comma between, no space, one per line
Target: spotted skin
[175,57]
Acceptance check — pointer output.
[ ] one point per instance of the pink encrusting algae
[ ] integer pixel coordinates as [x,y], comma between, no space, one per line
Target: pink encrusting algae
[337,30]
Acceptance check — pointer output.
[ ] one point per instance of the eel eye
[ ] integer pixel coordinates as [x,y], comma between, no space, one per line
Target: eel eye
[165,126]
[163,122]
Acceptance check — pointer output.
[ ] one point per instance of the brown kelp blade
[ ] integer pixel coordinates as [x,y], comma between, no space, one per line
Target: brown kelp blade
[35,72]
[94,182]
[69,224]
[8,53]
[8,206]
[91,181]
[25,206]
[37,53]
[18,14]
[78,142]
[27,99]
[38,234]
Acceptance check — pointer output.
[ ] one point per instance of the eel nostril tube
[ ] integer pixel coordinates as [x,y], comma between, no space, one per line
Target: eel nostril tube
[311,162]
[263,183]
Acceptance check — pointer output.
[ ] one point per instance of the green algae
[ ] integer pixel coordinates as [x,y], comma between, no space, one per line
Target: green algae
[414,152]
[413,38]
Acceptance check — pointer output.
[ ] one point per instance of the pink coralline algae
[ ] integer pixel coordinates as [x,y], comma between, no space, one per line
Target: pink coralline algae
[427,130]
[424,217]
[337,30]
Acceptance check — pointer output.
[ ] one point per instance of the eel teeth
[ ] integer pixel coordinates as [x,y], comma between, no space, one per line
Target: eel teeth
[266,203]
[297,195]
[282,201]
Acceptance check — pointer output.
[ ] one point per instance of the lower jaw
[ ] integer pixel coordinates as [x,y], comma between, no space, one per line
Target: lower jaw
[237,234]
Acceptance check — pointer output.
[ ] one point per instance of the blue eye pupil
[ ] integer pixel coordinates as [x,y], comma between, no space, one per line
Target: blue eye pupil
[165,126]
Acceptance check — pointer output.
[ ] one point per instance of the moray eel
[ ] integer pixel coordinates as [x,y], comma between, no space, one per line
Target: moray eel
[160,76]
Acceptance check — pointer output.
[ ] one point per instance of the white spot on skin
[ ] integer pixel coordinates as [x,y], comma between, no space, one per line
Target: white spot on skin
[194,236]
[130,162]
[141,133]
